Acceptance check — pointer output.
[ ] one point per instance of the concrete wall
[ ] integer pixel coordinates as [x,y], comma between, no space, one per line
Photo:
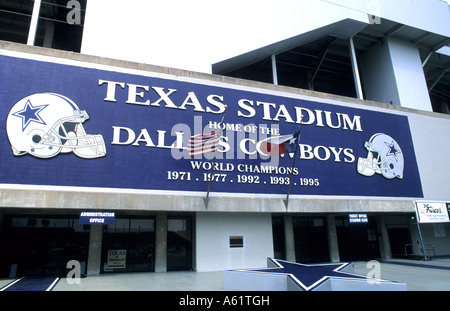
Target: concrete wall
[392,73]
[411,84]
[377,75]
[432,148]
[213,231]
[435,237]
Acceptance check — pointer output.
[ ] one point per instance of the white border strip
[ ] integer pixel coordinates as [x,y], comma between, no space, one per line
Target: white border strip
[47,290]
[52,285]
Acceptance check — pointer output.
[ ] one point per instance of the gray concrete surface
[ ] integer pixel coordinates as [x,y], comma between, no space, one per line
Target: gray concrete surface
[418,275]
[429,276]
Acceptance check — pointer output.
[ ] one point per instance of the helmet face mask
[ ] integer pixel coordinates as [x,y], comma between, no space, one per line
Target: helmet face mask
[46,124]
[368,166]
[384,157]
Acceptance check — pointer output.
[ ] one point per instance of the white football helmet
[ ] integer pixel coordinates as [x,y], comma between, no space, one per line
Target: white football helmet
[384,157]
[45,124]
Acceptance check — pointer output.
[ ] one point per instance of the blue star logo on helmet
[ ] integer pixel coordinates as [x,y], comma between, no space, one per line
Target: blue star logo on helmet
[29,114]
[47,124]
[392,150]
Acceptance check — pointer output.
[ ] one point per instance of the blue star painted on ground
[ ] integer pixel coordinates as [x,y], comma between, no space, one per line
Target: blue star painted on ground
[309,277]
[29,114]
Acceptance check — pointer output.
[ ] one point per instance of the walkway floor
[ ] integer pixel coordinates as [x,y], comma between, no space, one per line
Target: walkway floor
[418,275]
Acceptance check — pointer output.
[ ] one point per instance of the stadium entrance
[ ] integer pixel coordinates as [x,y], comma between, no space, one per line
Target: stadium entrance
[36,244]
[357,241]
[41,245]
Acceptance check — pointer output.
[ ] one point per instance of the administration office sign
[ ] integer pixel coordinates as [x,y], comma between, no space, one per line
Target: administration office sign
[72,124]
[97,218]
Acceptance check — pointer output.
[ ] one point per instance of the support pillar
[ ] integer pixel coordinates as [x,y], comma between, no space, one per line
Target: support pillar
[95,250]
[274,70]
[385,244]
[161,243]
[359,92]
[34,22]
[392,73]
[289,238]
[333,246]
[49,34]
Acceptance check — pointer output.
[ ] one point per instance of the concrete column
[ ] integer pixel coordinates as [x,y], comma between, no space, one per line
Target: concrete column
[95,250]
[392,72]
[289,238]
[356,78]
[385,244]
[333,245]
[274,70]
[34,22]
[49,34]
[161,243]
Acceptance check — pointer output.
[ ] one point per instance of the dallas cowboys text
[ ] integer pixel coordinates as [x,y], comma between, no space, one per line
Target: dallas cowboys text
[242,140]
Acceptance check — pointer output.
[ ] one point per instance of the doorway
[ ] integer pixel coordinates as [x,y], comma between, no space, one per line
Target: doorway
[311,240]
[129,245]
[278,237]
[179,243]
[41,245]
[400,239]
[357,241]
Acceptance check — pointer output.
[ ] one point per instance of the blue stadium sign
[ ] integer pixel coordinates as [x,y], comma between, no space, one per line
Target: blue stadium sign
[74,124]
